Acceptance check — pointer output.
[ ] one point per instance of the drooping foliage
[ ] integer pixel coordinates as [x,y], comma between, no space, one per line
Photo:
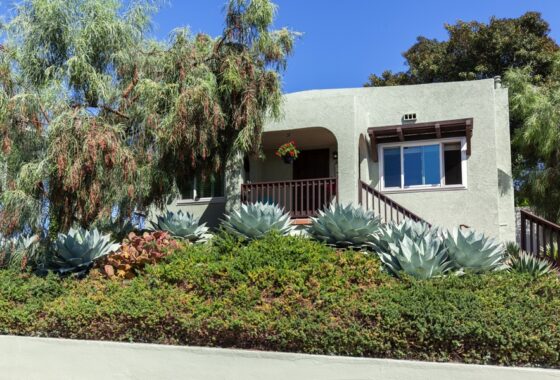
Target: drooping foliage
[94,115]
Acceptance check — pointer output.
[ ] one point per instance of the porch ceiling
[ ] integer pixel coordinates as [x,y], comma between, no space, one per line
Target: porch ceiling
[421,131]
[306,138]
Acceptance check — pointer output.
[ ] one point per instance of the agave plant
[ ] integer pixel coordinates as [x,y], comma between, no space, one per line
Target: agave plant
[253,221]
[394,233]
[345,226]
[550,251]
[76,251]
[512,249]
[182,225]
[424,257]
[523,262]
[473,252]
[118,228]
[17,252]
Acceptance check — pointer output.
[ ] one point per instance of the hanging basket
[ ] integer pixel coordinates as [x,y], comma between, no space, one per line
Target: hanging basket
[288,159]
[288,152]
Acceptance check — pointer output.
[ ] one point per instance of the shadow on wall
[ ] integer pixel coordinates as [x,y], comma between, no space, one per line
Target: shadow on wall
[504,182]
[213,214]
[369,171]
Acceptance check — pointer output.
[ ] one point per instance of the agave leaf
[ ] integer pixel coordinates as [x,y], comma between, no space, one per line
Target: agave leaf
[523,262]
[182,225]
[412,248]
[76,251]
[253,221]
[474,252]
[345,226]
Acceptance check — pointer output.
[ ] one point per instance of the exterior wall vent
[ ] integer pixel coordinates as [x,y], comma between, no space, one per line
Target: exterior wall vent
[409,117]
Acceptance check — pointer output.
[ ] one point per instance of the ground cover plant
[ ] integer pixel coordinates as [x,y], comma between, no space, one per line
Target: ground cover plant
[294,294]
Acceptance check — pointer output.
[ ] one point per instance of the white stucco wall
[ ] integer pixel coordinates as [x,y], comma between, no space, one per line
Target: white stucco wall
[482,205]
[486,204]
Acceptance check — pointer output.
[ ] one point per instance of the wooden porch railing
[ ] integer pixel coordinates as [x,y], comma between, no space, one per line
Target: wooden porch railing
[539,236]
[302,198]
[382,205]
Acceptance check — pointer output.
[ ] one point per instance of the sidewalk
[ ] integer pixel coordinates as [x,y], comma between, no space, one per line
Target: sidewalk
[42,358]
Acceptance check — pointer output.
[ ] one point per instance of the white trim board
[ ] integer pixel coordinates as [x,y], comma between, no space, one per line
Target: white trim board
[441,186]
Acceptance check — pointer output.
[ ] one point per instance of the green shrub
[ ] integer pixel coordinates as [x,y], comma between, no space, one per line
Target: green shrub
[293,294]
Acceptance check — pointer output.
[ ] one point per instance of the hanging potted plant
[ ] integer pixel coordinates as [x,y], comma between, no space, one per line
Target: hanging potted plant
[288,152]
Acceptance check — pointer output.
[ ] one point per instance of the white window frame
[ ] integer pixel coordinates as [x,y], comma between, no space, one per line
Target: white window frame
[441,185]
[203,200]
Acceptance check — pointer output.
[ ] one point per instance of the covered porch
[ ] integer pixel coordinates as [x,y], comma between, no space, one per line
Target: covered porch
[302,187]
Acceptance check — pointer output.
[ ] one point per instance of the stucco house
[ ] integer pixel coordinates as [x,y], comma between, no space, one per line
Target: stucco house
[438,152]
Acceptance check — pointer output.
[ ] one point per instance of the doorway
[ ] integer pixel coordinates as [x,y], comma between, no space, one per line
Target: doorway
[312,164]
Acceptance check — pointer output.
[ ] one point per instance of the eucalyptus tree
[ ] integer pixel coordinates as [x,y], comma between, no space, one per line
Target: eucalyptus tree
[94,114]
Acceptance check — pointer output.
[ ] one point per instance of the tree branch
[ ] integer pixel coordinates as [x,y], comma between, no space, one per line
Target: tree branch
[132,84]
[118,113]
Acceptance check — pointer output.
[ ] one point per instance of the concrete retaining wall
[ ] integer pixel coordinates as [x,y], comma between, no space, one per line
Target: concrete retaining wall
[41,358]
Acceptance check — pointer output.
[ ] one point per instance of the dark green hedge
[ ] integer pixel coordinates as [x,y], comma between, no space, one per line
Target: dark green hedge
[290,294]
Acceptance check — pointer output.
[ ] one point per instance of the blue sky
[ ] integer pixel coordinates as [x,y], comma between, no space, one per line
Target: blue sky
[345,40]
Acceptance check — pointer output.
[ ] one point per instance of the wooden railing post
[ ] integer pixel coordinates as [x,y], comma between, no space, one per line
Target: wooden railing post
[531,240]
[301,198]
[523,230]
[394,211]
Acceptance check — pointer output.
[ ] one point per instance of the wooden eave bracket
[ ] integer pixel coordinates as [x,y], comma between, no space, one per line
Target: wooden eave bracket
[440,129]
[373,146]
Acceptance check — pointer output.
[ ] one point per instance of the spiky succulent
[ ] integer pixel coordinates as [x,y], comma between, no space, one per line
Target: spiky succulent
[393,233]
[512,248]
[345,226]
[424,257]
[16,252]
[118,228]
[474,252]
[182,225]
[76,251]
[524,262]
[254,220]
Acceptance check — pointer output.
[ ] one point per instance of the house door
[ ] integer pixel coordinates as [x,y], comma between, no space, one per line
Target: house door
[309,197]
[312,164]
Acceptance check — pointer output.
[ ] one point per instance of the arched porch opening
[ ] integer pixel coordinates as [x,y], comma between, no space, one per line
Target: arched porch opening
[303,186]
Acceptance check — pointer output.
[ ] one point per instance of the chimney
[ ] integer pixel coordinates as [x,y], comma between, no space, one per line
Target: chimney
[497,81]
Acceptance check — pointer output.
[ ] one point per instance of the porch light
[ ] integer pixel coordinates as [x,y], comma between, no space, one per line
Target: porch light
[335,155]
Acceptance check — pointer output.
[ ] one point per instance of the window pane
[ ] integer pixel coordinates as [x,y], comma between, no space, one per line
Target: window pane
[211,186]
[187,192]
[432,173]
[392,167]
[452,164]
[218,185]
[204,188]
[421,165]
[412,166]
